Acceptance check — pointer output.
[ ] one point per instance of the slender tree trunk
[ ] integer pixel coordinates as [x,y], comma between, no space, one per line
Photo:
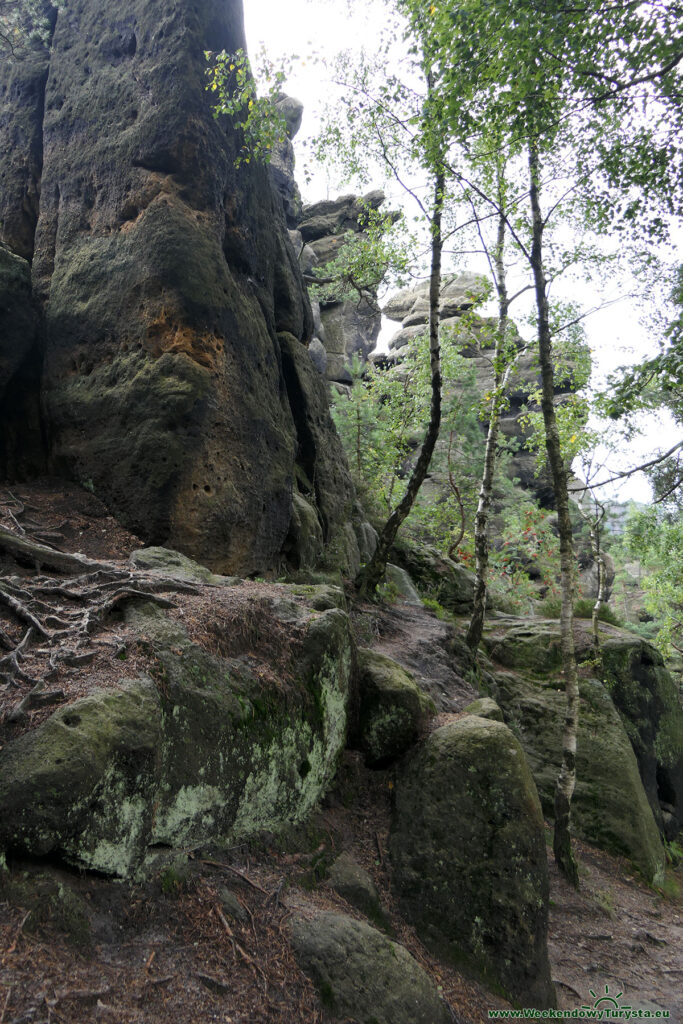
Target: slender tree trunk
[371,574]
[567,778]
[596,548]
[481,522]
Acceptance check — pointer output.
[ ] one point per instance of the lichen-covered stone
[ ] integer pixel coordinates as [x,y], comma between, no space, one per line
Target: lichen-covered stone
[468,853]
[361,974]
[211,749]
[393,709]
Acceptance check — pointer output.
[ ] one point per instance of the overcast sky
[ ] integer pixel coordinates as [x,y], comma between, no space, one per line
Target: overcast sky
[324,27]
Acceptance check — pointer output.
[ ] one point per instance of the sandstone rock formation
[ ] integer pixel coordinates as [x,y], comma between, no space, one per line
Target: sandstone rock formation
[474,336]
[20,433]
[347,320]
[164,274]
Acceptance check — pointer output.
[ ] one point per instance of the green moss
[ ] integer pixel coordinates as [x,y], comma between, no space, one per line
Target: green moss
[217,751]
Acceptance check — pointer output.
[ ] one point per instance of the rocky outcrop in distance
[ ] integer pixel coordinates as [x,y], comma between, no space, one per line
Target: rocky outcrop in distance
[164,281]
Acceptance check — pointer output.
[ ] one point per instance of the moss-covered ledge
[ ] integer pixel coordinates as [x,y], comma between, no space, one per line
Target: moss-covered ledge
[206,748]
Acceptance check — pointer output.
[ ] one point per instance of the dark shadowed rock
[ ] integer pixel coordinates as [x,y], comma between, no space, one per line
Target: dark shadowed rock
[323,476]
[21,443]
[436,576]
[354,884]
[22,100]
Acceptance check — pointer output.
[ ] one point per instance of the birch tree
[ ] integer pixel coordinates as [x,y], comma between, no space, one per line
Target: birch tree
[595,88]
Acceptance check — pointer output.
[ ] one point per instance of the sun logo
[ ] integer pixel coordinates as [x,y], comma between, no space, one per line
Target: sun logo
[605,1001]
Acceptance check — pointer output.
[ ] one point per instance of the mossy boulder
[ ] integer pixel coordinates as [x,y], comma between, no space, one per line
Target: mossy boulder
[609,806]
[485,708]
[469,858]
[393,709]
[436,576]
[362,974]
[207,748]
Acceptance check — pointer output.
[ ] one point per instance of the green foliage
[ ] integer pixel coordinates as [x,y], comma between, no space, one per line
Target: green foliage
[262,124]
[381,424]
[657,381]
[656,540]
[572,362]
[583,609]
[438,609]
[527,545]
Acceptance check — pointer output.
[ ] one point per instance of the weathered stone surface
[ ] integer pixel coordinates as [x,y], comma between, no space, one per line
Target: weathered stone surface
[21,447]
[362,974]
[354,884]
[318,356]
[485,708]
[211,750]
[303,546]
[164,271]
[451,584]
[22,100]
[609,807]
[458,293]
[393,709]
[351,327]
[468,852]
[171,563]
[335,216]
[282,160]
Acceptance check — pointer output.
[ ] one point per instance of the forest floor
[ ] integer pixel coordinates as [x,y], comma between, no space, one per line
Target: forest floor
[170,948]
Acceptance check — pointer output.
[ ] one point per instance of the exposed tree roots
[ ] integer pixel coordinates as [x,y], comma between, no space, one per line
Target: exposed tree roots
[57,603]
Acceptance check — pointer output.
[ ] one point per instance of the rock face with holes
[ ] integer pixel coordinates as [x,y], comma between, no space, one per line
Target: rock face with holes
[165,274]
[205,747]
